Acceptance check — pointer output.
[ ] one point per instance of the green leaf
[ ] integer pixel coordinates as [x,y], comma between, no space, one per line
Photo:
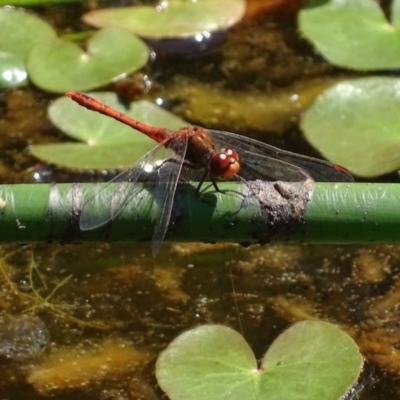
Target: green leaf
[108,143]
[33,3]
[356,124]
[19,32]
[177,18]
[312,360]
[58,65]
[354,33]
[12,71]
[83,157]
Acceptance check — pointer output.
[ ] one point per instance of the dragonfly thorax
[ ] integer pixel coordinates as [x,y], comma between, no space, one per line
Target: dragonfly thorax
[224,164]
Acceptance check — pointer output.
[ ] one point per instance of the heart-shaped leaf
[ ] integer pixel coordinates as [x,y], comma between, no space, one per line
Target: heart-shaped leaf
[354,33]
[19,32]
[12,71]
[356,123]
[59,65]
[312,360]
[172,19]
[32,3]
[108,143]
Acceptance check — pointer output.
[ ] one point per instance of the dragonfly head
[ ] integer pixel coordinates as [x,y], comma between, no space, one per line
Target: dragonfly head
[224,164]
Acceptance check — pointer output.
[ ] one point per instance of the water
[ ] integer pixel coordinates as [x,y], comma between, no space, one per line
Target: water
[120,297]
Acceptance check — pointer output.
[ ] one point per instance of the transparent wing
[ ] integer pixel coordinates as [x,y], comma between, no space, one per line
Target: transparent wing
[263,161]
[106,204]
[165,189]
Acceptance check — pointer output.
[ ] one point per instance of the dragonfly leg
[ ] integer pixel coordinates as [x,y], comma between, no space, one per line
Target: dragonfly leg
[186,164]
[201,183]
[235,178]
[175,161]
[215,185]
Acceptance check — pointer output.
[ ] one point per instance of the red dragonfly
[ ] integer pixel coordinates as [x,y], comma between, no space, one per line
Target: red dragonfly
[217,154]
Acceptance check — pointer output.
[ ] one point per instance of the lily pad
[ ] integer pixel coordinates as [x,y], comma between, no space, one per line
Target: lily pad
[12,71]
[356,123]
[172,19]
[19,32]
[33,3]
[59,65]
[108,144]
[354,33]
[312,360]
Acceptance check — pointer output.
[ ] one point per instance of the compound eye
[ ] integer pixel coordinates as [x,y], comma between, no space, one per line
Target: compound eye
[225,164]
[232,154]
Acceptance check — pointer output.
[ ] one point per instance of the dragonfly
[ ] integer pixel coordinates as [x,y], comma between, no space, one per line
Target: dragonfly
[215,155]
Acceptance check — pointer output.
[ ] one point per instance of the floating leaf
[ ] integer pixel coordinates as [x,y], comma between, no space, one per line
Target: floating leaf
[33,3]
[354,33]
[59,65]
[312,360]
[176,26]
[12,71]
[108,143]
[173,19]
[19,32]
[356,124]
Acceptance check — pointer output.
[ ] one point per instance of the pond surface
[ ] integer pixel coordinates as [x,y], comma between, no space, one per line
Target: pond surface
[115,306]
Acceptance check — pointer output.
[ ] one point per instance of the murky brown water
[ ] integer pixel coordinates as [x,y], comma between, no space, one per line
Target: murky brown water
[95,304]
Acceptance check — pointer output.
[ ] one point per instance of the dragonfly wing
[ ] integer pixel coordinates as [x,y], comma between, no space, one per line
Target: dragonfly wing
[256,166]
[320,170]
[164,194]
[108,202]
[251,149]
